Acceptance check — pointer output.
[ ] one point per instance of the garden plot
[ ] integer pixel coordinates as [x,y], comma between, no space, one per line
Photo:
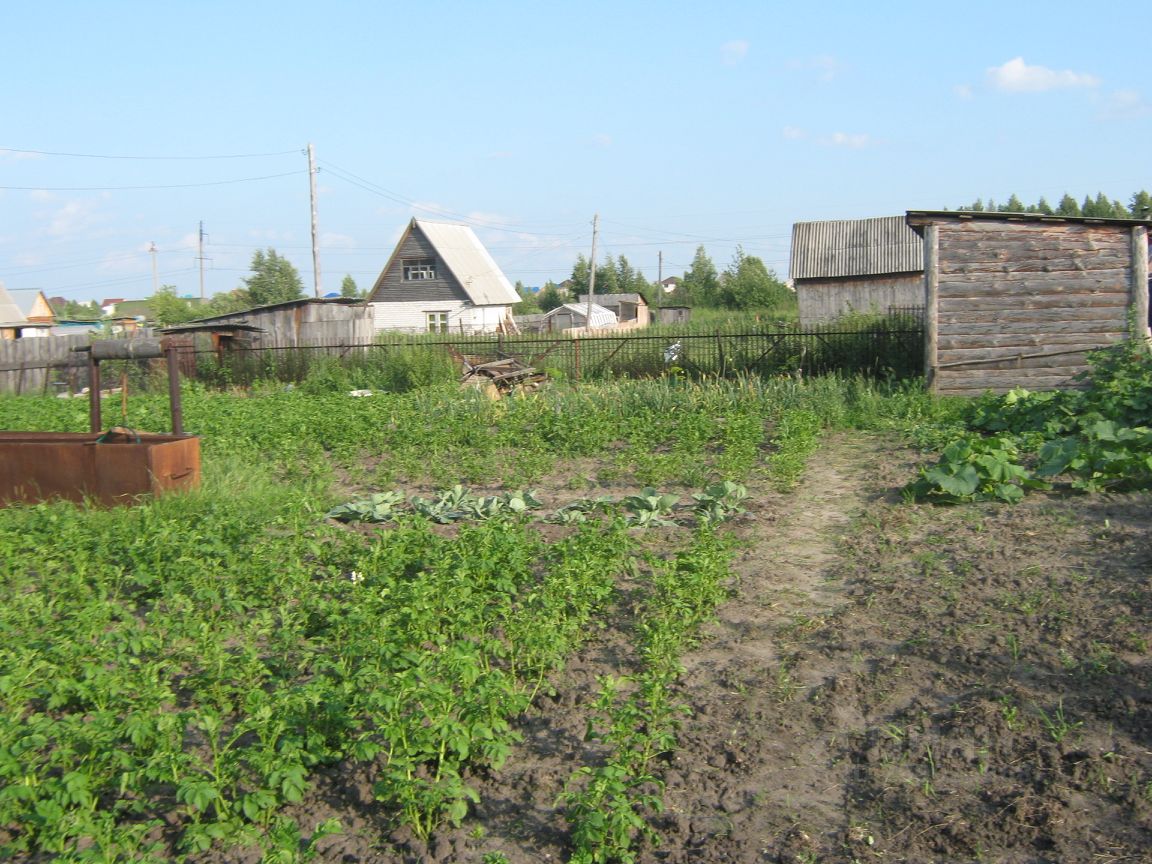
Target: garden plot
[837,674]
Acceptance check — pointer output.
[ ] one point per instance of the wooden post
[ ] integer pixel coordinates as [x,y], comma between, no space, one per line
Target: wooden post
[931,300]
[1140,280]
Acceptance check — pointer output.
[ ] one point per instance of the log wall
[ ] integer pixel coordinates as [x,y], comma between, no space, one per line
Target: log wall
[1019,304]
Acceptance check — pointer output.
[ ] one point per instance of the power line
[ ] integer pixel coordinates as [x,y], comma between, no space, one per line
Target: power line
[105,156]
[127,188]
[375,189]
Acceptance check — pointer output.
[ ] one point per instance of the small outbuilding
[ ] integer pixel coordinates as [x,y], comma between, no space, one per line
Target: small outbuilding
[631,310]
[574,316]
[1018,299]
[441,279]
[305,322]
[855,265]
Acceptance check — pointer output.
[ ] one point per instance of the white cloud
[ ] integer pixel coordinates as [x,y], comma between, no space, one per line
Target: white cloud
[18,156]
[850,140]
[1016,76]
[73,216]
[602,139]
[962,91]
[794,133]
[1125,105]
[733,52]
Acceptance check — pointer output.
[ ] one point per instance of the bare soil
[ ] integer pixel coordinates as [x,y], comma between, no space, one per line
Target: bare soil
[890,682]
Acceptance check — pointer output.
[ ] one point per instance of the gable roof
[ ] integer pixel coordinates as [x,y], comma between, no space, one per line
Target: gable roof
[36,307]
[9,312]
[466,258]
[855,247]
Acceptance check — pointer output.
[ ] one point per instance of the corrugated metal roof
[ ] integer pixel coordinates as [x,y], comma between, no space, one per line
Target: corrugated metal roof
[470,263]
[855,247]
[614,299]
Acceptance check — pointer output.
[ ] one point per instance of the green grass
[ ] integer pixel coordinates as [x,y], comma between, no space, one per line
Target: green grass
[193,661]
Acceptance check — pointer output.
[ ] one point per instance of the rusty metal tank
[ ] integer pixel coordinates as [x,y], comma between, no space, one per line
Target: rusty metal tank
[110,468]
[114,467]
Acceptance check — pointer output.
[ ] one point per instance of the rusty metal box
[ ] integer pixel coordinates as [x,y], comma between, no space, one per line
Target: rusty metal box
[39,466]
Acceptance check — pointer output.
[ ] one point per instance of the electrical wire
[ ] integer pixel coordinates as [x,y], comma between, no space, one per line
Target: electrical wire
[104,156]
[395,197]
[169,186]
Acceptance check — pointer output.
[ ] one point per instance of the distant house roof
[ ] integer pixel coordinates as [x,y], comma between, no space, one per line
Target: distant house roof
[615,299]
[467,259]
[10,314]
[855,247]
[601,317]
[36,307]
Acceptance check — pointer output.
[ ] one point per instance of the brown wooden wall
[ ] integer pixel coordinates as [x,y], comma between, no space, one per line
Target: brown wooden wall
[391,286]
[1018,304]
[827,299]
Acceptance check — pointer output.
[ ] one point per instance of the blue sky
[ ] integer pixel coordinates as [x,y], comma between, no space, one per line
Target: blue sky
[680,124]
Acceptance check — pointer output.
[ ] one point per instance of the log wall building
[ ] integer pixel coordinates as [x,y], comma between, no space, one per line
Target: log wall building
[1017,300]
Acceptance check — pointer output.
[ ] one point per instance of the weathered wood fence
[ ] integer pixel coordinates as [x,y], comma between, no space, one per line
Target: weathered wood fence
[31,365]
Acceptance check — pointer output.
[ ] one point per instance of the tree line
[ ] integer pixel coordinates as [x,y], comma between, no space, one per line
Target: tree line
[1139,206]
[746,283]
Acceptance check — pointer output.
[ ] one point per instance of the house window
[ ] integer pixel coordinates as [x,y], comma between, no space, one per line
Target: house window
[437,322]
[419,268]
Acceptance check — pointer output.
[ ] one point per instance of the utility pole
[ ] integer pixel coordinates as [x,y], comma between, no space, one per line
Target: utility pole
[201,257]
[660,269]
[155,272]
[315,243]
[592,274]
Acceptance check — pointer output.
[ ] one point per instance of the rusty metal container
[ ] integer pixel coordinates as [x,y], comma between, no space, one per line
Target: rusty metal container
[113,468]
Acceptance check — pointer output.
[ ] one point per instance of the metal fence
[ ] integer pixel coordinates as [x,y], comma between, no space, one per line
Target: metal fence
[889,348]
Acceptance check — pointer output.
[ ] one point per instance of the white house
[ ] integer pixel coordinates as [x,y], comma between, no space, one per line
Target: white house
[441,279]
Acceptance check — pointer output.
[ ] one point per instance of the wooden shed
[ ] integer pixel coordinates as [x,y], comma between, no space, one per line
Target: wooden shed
[294,324]
[1018,299]
[855,265]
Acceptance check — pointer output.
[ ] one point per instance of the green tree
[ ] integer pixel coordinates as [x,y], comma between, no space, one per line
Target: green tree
[1140,205]
[225,303]
[74,310]
[166,307]
[749,284]
[1014,205]
[348,287]
[581,276]
[1068,206]
[550,297]
[1042,206]
[528,304]
[273,279]
[701,283]
[606,282]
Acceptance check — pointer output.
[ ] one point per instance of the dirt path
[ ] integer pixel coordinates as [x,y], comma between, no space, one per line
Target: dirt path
[786,568]
[889,683]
